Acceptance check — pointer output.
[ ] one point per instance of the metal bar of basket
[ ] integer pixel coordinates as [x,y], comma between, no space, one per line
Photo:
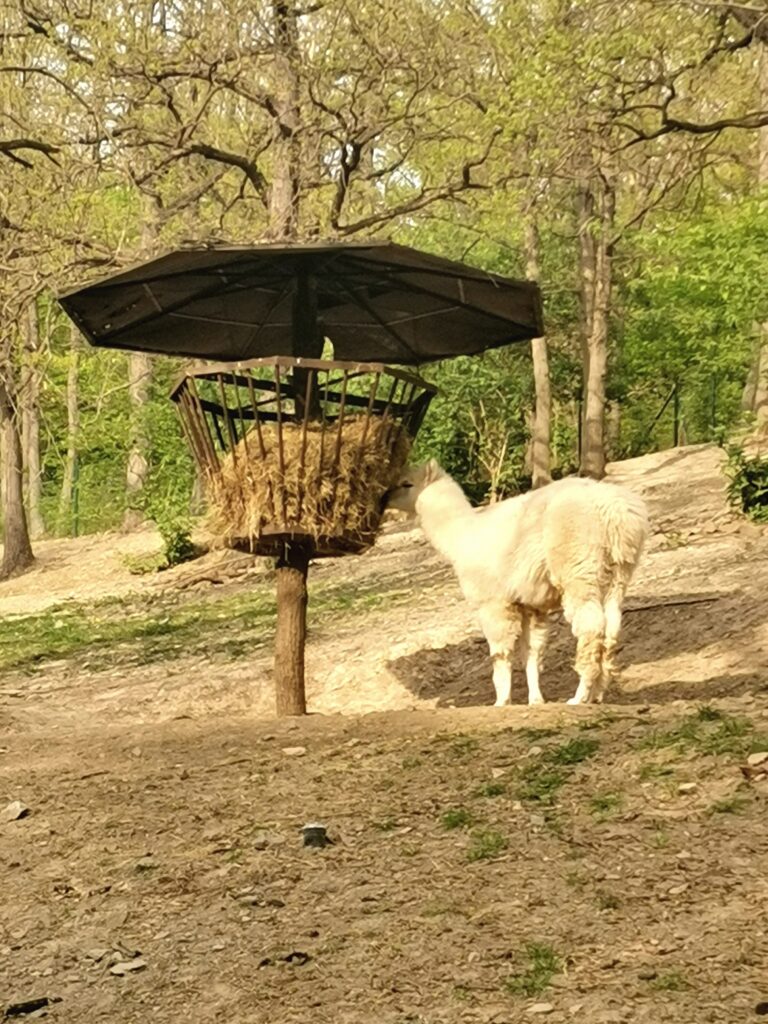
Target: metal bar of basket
[280,450]
[339,439]
[363,437]
[202,424]
[190,428]
[246,444]
[311,374]
[262,446]
[227,418]
[209,370]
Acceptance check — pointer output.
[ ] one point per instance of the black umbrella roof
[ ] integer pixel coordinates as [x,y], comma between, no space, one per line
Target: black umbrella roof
[374,301]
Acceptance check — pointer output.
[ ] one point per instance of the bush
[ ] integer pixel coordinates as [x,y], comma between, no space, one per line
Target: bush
[748,483]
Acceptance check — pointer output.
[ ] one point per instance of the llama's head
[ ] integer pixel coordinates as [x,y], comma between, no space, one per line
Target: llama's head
[413,481]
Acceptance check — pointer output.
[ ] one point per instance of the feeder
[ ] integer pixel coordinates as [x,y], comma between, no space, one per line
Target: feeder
[297,456]
[298,451]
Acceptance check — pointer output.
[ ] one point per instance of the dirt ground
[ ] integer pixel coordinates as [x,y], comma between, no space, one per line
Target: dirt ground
[488,865]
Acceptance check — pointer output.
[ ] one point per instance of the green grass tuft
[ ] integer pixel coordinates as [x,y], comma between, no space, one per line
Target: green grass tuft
[543,964]
[485,845]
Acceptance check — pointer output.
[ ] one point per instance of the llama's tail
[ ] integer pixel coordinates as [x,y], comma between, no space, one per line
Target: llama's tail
[625,521]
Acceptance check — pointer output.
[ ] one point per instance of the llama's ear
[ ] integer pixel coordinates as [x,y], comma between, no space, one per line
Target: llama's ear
[431,471]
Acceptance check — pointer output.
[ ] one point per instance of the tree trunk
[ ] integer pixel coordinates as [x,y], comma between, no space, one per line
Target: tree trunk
[541,455]
[291,630]
[284,191]
[64,523]
[30,424]
[137,470]
[17,550]
[596,255]
[613,429]
[760,406]
[761,382]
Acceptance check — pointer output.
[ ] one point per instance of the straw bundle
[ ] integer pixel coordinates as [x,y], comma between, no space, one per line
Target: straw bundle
[329,481]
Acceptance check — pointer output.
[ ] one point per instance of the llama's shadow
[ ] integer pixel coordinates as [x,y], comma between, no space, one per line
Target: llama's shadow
[459,675]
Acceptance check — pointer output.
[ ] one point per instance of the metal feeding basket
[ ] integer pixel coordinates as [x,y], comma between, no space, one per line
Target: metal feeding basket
[299,450]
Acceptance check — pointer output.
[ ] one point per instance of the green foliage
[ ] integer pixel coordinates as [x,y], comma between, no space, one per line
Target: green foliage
[748,483]
[708,732]
[485,845]
[459,817]
[542,965]
[543,776]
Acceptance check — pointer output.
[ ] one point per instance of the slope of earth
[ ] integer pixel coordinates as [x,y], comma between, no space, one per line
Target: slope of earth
[388,630]
[488,866]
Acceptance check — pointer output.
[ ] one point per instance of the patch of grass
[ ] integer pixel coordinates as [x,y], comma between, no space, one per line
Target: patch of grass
[575,880]
[457,817]
[154,628]
[462,993]
[485,845]
[462,746]
[540,786]
[543,776]
[491,789]
[730,805]
[573,751]
[670,981]
[543,964]
[411,762]
[660,839]
[706,713]
[603,805]
[144,565]
[707,731]
[608,901]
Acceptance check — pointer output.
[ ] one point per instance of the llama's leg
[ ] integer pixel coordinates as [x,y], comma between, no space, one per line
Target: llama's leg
[532,642]
[587,619]
[502,627]
[613,603]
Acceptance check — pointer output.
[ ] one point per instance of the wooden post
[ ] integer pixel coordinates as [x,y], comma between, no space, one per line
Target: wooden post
[290,635]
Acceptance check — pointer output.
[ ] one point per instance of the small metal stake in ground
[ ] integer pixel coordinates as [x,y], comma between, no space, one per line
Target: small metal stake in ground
[296,451]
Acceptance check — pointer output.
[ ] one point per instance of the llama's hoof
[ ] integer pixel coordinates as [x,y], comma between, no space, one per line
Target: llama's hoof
[536,700]
[576,700]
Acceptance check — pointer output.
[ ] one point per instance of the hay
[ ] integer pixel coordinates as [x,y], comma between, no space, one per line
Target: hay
[332,497]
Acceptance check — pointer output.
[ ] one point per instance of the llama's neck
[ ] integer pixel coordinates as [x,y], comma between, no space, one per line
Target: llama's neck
[445,513]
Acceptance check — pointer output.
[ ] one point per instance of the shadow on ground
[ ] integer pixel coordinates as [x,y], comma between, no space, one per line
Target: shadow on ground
[460,674]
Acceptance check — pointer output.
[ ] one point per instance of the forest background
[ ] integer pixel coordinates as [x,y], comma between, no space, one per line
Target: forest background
[614,150]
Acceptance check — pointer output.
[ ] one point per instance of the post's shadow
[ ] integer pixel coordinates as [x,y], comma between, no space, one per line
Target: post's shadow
[459,675]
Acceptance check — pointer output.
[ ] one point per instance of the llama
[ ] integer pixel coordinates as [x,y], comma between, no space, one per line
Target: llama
[572,545]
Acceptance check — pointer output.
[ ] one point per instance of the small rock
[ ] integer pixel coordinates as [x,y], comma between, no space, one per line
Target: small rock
[687,787]
[294,751]
[15,810]
[297,958]
[29,1007]
[128,966]
[538,820]
[647,975]
[96,953]
[535,752]
[496,773]
[315,835]
[540,1008]
[217,947]
[756,759]
[676,890]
